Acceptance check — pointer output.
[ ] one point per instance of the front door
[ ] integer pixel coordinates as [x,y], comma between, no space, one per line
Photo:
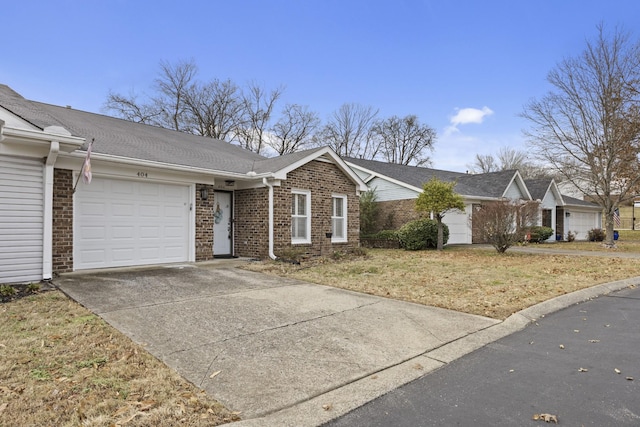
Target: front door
[222,224]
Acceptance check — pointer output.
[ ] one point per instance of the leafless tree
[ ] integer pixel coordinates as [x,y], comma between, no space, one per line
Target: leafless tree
[129,108]
[257,105]
[509,158]
[348,131]
[484,163]
[215,109]
[588,126]
[503,223]
[294,130]
[404,140]
[172,86]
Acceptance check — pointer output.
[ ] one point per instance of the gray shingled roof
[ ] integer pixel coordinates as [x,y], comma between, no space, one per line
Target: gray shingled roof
[572,201]
[538,187]
[123,138]
[491,184]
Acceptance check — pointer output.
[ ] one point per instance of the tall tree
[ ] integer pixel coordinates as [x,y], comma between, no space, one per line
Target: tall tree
[215,109]
[172,86]
[438,198]
[588,126]
[404,140]
[258,104]
[294,130]
[509,158]
[348,131]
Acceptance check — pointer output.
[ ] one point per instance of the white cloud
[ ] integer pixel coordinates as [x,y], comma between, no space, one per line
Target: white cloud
[465,116]
[470,115]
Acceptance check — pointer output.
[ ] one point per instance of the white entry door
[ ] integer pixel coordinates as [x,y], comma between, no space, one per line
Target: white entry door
[222,224]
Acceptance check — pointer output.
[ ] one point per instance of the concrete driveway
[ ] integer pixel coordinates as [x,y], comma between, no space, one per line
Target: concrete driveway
[304,351]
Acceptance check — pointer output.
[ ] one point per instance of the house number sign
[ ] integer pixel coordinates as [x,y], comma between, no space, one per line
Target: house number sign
[143,175]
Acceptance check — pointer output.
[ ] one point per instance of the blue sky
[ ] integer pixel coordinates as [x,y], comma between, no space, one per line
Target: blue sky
[466,68]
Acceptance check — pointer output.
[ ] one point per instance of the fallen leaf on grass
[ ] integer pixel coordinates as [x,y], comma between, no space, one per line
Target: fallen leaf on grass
[547,418]
[145,405]
[3,407]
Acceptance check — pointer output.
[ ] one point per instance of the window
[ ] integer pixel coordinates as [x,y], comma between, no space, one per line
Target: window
[339,218]
[300,216]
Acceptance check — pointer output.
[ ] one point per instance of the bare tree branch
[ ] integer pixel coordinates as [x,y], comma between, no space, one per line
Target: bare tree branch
[588,127]
[404,140]
[294,130]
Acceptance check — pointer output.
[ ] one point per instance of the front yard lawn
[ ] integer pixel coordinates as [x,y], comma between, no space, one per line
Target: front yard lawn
[466,279]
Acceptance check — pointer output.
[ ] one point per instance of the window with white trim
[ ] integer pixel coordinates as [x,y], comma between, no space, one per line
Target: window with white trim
[339,218]
[300,216]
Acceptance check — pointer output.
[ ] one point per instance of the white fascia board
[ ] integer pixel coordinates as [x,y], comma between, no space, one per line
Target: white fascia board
[517,179]
[374,174]
[67,143]
[335,159]
[108,158]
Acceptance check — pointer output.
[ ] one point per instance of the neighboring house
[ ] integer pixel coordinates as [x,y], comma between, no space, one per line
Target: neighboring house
[157,195]
[397,187]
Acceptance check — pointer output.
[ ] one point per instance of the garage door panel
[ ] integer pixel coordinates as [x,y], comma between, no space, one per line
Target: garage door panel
[139,224]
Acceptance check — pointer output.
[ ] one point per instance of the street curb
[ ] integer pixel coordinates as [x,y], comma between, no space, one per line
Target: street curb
[333,404]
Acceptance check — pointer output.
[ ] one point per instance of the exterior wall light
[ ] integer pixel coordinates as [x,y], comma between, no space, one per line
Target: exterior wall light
[204,193]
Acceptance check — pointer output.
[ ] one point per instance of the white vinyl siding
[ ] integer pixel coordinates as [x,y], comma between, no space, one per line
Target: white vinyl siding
[513,192]
[125,223]
[21,220]
[339,218]
[386,190]
[300,216]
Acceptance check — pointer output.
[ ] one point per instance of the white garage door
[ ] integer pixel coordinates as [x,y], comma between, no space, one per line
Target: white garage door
[459,229]
[581,222]
[21,220]
[124,223]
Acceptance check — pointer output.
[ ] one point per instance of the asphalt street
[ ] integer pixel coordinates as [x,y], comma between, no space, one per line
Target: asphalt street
[580,364]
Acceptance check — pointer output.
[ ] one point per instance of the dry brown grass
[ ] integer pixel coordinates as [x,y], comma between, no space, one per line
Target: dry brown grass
[469,280]
[60,365]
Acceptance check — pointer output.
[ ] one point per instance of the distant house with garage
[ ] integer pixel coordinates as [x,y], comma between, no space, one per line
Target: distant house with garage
[397,187]
[156,195]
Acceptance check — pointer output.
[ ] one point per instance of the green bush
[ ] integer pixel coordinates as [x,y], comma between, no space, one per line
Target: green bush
[596,235]
[421,234]
[382,235]
[539,234]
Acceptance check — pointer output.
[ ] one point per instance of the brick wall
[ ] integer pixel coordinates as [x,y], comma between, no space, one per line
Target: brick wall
[394,214]
[204,224]
[322,179]
[62,221]
[251,235]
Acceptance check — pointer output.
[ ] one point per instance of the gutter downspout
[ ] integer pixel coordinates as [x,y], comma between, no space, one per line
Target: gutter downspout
[265,181]
[47,237]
